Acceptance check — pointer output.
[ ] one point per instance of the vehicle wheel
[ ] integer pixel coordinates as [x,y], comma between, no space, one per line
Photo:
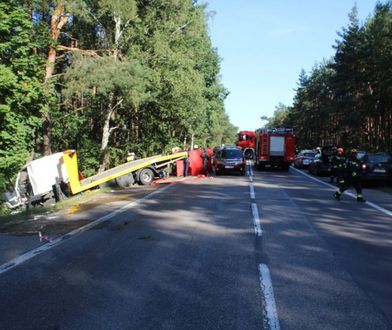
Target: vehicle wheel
[146,175]
[285,167]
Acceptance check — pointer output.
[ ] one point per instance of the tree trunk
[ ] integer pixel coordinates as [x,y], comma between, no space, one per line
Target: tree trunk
[117,35]
[107,130]
[57,21]
[192,140]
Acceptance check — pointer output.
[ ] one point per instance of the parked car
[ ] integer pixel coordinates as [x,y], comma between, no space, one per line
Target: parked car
[321,164]
[229,159]
[304,158]
[376,166]
[361,153]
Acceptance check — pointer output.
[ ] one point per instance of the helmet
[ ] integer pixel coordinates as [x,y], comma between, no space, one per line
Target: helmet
[353,151]
[340,150]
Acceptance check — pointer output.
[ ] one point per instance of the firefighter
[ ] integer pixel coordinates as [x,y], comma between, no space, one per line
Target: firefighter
[352,177]
[342,161]
[334,160]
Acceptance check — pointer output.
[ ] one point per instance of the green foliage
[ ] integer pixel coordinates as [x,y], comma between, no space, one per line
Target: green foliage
[20,90]
[348,100]
[164,74]
[279,118]
[142,71]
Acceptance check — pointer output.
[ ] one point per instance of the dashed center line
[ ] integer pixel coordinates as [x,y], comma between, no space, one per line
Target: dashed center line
[268,293]
[252,191]
[256,220]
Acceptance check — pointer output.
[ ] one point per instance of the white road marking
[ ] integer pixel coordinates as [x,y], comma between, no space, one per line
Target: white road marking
[377,207]
[250,178]
[268,293]
[30,254]
[256,220]
[373,205]
[252,191]
[313,178]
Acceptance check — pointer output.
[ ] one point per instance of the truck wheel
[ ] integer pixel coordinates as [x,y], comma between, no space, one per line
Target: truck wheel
[146,175]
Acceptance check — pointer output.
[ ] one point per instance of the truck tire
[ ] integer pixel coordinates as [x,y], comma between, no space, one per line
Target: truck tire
[146,175]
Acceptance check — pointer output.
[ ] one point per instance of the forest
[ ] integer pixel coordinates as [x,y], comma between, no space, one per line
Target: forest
[347,100]
[106,77]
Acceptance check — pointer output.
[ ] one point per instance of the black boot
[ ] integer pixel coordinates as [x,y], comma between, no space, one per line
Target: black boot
[336,195]
[361,199]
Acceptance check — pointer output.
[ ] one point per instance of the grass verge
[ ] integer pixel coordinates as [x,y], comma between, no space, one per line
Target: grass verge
[7,216]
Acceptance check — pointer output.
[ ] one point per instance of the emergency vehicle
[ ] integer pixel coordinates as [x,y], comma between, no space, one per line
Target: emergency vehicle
[275,147]
[247,141]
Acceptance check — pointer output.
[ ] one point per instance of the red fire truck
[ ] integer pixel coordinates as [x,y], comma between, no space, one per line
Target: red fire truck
[247,141]
[275,147]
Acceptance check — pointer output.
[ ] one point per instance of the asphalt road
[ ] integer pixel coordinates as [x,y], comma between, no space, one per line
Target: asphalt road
[190,257]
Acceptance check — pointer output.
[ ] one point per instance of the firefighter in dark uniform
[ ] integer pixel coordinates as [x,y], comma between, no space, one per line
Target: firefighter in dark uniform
[342,163]
[334,160]
[352,177]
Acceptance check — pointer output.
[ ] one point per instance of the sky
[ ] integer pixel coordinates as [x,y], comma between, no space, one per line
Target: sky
[264,45]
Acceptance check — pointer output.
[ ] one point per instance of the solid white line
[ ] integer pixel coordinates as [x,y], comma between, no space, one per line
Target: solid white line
[250,178]
[373,205]
[377,207]
[268,293]
[30,254]
[313,178]
[256,220]
[252,191]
